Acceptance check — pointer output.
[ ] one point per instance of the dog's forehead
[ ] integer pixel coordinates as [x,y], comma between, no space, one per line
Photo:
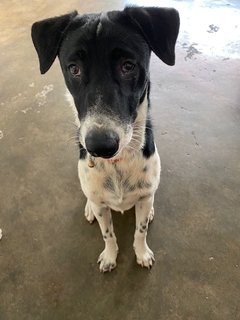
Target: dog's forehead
[100,27]
[103,19]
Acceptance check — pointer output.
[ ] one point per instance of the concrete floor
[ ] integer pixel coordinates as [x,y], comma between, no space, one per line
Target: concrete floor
[48,251]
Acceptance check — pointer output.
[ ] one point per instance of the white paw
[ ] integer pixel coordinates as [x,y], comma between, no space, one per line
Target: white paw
[89,213]
[151,215]
[145,257]
[107,260]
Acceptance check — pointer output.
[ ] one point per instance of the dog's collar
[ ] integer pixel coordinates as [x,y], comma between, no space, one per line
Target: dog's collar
[91,161]
[113,161]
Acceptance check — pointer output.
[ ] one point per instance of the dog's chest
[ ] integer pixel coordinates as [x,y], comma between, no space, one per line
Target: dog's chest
[120,185]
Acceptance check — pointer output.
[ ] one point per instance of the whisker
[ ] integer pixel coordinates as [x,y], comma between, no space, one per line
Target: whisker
[73,139]
[136,140]
[132,148]
[137,127]
[73,123]
[136,135]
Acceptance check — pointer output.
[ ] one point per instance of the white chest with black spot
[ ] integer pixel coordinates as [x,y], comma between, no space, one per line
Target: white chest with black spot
[120,185]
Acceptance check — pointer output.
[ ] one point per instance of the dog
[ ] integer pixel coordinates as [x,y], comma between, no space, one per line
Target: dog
[105,63]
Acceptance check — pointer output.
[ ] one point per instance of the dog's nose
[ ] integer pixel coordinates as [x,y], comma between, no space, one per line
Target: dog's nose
[102,143]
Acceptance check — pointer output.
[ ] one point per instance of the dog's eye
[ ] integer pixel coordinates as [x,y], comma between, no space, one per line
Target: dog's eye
[75,70]
[127,67]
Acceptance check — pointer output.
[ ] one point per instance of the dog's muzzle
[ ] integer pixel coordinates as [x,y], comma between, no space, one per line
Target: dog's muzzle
[102,143]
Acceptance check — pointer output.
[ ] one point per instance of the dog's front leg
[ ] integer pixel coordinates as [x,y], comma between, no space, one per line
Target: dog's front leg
[144,214]
[108,257]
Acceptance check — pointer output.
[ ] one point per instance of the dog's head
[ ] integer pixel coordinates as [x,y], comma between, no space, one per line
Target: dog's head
[105,61]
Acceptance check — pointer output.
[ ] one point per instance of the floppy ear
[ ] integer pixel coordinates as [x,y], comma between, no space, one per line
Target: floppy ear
[159,27]
[47,35]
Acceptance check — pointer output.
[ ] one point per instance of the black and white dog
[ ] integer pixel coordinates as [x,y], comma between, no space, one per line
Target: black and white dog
[105,62]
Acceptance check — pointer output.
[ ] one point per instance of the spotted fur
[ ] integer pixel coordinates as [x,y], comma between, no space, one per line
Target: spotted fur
[105,62]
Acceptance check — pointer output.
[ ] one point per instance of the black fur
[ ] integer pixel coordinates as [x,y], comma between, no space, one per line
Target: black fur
[82,152]
[47,37]
[99,46]
[149,146]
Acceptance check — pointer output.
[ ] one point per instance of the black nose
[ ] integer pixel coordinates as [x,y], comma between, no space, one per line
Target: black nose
[102,143]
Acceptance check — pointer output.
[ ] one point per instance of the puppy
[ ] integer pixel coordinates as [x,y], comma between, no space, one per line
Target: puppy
[105,62]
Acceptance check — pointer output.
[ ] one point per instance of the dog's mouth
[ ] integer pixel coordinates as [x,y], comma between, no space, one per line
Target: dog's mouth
[112,159]
[108,156]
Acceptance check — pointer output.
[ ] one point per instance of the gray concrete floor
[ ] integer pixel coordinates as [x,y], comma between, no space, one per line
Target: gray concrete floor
[48,251]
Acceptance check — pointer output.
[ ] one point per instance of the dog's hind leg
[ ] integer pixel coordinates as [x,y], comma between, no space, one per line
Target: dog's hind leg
[108,257]
[144,214]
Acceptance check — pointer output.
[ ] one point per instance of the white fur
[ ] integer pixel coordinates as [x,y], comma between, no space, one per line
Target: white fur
[70,101]
[131,165]
[132,171]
